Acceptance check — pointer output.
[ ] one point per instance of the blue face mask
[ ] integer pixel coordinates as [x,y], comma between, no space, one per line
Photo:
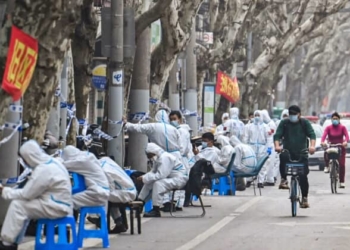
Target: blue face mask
[335,122]
[293,118]
[256,119]
[174,123]
[204,145]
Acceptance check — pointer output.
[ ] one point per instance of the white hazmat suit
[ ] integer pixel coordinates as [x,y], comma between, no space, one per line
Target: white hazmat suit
[210,154]
[270,163]
[185,141]
[256,135]
[87,165]
[236,127]
[122,188]
[245,158]
[285,112]
[220,130]
[161,133]
[47,194]
[167,173]
[225,155]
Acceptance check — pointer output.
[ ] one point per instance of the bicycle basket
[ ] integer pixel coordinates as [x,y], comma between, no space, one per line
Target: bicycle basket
[295,168]
[333,153]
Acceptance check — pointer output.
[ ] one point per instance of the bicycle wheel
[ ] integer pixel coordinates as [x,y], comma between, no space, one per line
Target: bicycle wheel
[294,196]
[334,178]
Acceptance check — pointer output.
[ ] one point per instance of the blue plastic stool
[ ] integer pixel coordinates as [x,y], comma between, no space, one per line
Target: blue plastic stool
[148,206]
[62,234]
[223,187]
[78,183]
[101,233]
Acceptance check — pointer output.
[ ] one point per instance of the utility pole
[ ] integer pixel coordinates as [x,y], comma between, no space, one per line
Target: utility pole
[64,94]
[139,96]
[191,81]
[115,83]
[8,152]
[174,96]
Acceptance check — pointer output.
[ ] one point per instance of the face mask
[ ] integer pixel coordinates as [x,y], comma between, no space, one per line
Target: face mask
[204,145]
[335,122]
[174,123]
[293,118]
[252,119]
[235,117]
[256,119]
[285,118]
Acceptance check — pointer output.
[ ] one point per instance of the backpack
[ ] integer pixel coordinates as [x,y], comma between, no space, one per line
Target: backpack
[302,121]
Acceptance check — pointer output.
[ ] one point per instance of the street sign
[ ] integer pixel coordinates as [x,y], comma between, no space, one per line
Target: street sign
[117,77]
[208,37]
[99,77]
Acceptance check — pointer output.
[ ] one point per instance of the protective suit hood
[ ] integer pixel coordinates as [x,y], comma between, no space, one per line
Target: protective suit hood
[265,116]
[234,141]
[223,140]
[70,153]
[33,154]
[162,116]
[284,112]
[224,115]
[234,113]
[154,149]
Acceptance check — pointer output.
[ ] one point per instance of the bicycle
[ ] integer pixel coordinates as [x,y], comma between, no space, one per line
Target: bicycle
[295,169]
[333,153]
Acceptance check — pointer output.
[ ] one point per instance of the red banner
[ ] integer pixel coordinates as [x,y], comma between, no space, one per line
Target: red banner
[20,64]
[227,87]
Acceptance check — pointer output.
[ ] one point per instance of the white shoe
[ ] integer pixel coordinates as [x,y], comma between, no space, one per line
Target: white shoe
[341,185]
[326,170]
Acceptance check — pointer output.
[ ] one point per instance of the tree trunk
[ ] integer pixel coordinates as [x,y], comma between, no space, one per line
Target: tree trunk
[51,27]
[72,133]
[176,29]
[200,82]
[83,47]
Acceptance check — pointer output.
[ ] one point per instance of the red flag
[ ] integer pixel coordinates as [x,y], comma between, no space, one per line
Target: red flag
[20,64]
[227,87]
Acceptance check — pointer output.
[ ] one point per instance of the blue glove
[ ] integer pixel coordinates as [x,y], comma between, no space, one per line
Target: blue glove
[269,151]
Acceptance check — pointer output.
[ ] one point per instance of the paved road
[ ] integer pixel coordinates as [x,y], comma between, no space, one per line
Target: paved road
[247,222]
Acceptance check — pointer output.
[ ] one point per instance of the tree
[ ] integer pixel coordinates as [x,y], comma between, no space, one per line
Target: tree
[83,47]
[176,22]
[280,46]
[51,22]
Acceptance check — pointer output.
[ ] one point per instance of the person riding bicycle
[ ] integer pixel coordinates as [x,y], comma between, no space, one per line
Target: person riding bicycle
[336,133]
[295,132]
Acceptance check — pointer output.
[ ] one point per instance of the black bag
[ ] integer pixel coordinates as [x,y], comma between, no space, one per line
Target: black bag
[195,182]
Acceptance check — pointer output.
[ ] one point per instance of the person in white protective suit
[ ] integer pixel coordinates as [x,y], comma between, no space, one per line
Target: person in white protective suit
[47,194]
[122,190]
[161,133]
[221,129]
[236,127]
[256,135]
[245,158]
[185,139]
[272,172]
[167,173]
[208,152]
[284,115]
[225,154]
[86,164]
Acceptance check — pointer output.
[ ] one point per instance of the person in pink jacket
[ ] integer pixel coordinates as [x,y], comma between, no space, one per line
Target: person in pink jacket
[336,133]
